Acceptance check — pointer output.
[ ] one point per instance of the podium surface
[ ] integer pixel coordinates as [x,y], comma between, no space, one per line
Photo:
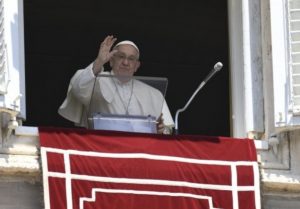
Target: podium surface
[131,104]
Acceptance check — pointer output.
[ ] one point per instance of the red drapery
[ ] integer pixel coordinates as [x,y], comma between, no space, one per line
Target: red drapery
[84,169]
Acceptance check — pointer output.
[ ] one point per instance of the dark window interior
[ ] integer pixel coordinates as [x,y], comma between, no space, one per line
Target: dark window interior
[179,40]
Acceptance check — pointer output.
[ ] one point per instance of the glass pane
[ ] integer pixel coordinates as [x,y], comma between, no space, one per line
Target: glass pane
[294,4]
[296,47]
[296,57]
[295,25]
[296,69]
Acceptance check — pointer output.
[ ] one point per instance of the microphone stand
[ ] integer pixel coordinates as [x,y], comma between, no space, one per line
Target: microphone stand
[217,67]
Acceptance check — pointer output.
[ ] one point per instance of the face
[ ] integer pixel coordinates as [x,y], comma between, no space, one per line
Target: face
[126,61]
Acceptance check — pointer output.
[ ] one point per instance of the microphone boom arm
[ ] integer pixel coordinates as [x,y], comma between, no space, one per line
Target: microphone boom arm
[217,67]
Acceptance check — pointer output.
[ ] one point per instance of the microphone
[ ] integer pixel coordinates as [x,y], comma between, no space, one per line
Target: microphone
[217,67]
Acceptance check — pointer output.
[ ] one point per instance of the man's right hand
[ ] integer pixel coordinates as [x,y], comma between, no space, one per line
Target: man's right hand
[104,54]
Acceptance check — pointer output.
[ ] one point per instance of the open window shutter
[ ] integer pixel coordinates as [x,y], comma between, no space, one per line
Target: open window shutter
[294,53]
[285,38]
[3,64]
[12,64]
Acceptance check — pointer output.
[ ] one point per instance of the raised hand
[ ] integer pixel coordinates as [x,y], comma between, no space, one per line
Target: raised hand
[104,53]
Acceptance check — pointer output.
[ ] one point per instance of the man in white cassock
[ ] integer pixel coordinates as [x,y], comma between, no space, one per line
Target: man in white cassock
[114,96]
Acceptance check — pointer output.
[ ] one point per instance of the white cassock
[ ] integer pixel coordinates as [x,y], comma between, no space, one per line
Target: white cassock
[133,98]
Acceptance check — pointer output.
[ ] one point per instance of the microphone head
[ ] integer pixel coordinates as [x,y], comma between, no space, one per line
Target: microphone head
[218,66]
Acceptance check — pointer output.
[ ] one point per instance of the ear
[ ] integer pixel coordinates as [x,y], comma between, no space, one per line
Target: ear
[111,62]
[138,64]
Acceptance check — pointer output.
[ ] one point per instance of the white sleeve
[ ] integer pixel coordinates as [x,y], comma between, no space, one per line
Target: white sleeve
[82,85]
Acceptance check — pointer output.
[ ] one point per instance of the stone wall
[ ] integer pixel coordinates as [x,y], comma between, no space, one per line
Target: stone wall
[20,173]
[281,172]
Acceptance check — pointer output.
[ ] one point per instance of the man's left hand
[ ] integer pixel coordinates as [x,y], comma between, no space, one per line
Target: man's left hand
[160,125]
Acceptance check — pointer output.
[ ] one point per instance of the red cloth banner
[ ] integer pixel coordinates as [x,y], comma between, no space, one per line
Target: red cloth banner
[84,169]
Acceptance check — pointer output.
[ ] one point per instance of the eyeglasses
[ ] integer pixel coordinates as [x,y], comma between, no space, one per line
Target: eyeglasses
[121,56]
